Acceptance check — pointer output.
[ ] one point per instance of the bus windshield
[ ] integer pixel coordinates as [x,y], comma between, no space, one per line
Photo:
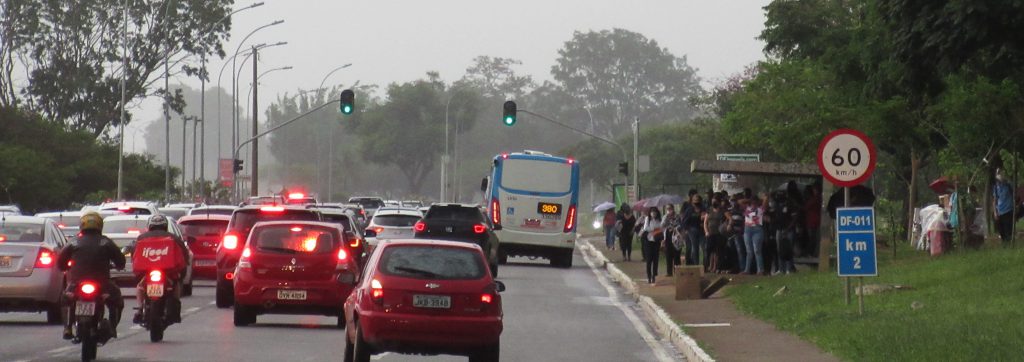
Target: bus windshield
[536,175]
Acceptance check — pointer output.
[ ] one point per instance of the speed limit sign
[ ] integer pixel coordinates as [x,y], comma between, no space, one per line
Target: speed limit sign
[846,157]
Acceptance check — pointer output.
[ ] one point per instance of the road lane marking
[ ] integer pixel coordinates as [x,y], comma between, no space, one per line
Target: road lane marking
[135,327]
[380,356]
[656,348]
[61,350]
[699,325]
[191,310]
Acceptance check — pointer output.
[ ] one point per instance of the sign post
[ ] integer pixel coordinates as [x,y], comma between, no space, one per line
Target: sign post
[847,158]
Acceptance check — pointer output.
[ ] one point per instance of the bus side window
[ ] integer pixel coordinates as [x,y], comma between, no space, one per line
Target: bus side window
[483,185]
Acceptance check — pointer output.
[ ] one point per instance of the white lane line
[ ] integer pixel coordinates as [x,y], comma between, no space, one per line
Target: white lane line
[191,310]
[699,325]
[659,351]
[380,356]
[212,303]
[135,327]
[61,350]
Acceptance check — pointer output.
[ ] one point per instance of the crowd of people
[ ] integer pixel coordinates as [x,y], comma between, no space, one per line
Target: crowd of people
[742,233]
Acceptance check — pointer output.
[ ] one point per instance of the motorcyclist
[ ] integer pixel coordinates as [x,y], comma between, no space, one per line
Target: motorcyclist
[90,259]
[158,230]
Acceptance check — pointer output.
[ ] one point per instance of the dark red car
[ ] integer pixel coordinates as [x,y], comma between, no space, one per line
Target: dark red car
[425,297]
[203,234]
[294,267]
[230,248]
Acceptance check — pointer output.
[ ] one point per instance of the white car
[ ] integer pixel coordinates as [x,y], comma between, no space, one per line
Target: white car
[391,223]
[213,210]
[67,221]
[128,208]
[124,230]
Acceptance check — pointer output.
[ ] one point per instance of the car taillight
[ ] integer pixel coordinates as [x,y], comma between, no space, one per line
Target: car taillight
[246,253]
[479,228]
[156,276]
[87,288]
[570,219]
[377,291]
[296,195]
[134,231]
[495,211]
[362,212]
[420,226]
[61,226]
[342,254]
[354,243]
[243,262]
[380,229]
[272,209]
[3,238]
[45,258]
[230,242]
[124,208]
[486,298]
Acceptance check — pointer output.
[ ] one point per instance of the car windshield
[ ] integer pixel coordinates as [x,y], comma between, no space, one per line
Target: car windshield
[370,204]
[243,220]
[295,239]
[129,226]
[21,232]
[455,213]
[396,220]
[431,262]
[198,228]
[340,219]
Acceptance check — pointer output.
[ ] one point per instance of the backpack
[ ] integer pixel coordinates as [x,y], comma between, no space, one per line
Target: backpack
[157,252]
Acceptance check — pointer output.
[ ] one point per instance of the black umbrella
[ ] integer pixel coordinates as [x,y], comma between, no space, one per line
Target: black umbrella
[860,195]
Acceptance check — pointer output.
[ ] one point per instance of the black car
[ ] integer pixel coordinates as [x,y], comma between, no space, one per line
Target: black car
[459,222]
[353,237]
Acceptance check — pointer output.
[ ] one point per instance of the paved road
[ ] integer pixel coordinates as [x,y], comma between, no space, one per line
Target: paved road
[550,314]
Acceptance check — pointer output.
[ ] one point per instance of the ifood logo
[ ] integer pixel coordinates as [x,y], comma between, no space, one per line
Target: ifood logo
[154,254]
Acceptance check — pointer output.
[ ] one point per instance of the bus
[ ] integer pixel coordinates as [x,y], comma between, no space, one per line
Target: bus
[531,198]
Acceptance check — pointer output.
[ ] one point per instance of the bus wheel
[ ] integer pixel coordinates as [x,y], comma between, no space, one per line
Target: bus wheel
[502,257]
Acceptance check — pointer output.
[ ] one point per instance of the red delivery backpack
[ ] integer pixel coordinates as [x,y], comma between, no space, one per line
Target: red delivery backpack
[157,253]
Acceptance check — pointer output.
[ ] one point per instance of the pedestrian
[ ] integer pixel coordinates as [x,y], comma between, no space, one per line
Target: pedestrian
[1002,206]
[694,224]
[735,215]
[640,233]
[812,219]
[625,224]
[609,229]
[713,221]
[753,233]
[655,236]
[670,223]
[792,208]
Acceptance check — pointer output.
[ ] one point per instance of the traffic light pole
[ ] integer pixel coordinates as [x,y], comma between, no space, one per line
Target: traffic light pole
[625,157]
[238,149]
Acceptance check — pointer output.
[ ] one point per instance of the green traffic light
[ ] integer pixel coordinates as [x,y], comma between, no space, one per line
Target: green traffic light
[346,109]
[510,120]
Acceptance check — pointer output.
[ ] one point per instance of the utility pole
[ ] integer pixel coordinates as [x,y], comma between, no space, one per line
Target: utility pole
[167,134]
[202,132]
[124,74]
[636,156]
[184,157]
[255,166]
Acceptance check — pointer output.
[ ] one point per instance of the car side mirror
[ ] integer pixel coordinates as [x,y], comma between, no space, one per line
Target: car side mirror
[370,233]
[483,185]
[499,286]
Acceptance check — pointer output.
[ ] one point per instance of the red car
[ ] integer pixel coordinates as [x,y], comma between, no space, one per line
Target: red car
[294,267]
[203,234]
[230,248]
[425,297]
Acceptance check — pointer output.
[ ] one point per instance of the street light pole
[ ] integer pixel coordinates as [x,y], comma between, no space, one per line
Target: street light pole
[124,74]
[330,143]
[234,82]
[254,189]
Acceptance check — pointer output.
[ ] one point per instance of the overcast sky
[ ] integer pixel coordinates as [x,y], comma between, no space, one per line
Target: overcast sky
[396,41]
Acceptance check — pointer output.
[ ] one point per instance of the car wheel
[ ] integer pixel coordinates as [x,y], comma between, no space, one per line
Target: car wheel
[488,354]
[561,259]
[361,351]
[186,290]
[244,316]
[502,257]
[225,294]
[494,270]
[341,320]
[53,314]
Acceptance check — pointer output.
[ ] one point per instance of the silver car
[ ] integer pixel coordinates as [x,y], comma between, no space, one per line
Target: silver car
[391,223]
[67,222]
[124,230]
[29,278]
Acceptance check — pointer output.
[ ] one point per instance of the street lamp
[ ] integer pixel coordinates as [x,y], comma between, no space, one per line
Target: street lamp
[330,142]
[247,94]
[220,74]
[234,83]
[235,124]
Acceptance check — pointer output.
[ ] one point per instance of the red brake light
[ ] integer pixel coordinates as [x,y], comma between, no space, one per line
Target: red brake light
[354,243]
[45,259]
[246,253]
[272,209]
[229,276]
[156,276]
[380,229]
[3,238]
[479,228]
[342,254]
[420,226]
[486,298]
[61,226]
[230,242]
[134,231]
[504,155]
[296,195]
[296,229]
[570,219]
[495,211]
[87,288]
[377,291]
[571,161]
[124,208]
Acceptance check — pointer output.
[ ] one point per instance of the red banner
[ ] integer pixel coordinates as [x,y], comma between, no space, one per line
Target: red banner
[227,168]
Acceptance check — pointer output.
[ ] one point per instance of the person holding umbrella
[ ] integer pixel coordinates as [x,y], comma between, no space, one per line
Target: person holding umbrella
[609,228]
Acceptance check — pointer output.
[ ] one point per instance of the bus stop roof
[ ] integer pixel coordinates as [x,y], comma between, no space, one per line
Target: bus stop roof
[755,168]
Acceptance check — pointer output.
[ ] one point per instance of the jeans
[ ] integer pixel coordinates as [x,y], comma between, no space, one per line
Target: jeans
[694,244]
[626,245]
[609,237]
[753,238]
[651,249]
[741,252]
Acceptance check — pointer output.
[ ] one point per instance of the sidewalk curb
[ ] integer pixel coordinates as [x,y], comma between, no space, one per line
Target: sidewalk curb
[664,324]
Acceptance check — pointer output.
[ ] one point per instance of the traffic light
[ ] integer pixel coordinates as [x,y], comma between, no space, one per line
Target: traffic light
[238,165]
[509,114]
[348,101]
[624,168]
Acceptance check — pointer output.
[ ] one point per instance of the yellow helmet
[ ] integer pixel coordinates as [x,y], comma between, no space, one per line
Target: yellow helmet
[91,220]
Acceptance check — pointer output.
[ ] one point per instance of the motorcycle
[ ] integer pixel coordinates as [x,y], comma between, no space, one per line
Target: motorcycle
[90,327]
[157,303]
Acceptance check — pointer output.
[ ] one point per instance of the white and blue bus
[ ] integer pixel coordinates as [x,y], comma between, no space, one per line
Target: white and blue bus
[532,200]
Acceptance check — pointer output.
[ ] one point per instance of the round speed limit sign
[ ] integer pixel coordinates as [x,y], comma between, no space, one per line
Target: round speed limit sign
[846,157]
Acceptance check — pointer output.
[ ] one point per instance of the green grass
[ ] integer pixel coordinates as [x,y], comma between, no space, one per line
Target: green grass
[973,308]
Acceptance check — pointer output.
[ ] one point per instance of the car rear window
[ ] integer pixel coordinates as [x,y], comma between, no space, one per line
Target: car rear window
[210,211]
[340,219]
[295,239]
[243,220]
[455,213]
[131,226]
[197,228]
[21,232]
[431,262]
[128,210]
[396,220]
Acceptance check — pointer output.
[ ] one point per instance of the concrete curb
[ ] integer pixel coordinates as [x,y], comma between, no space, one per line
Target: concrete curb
[662,322]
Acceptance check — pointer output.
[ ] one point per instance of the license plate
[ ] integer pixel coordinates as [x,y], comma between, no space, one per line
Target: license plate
[205,262]
[291,294]
[5,262]
[85,308]
[155,290]
[432,301]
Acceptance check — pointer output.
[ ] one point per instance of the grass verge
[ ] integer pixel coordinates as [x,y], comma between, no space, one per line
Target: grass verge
[971,308]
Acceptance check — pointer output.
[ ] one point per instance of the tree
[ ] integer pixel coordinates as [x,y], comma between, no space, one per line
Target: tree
[495,78]
[72,54]
[620,75]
